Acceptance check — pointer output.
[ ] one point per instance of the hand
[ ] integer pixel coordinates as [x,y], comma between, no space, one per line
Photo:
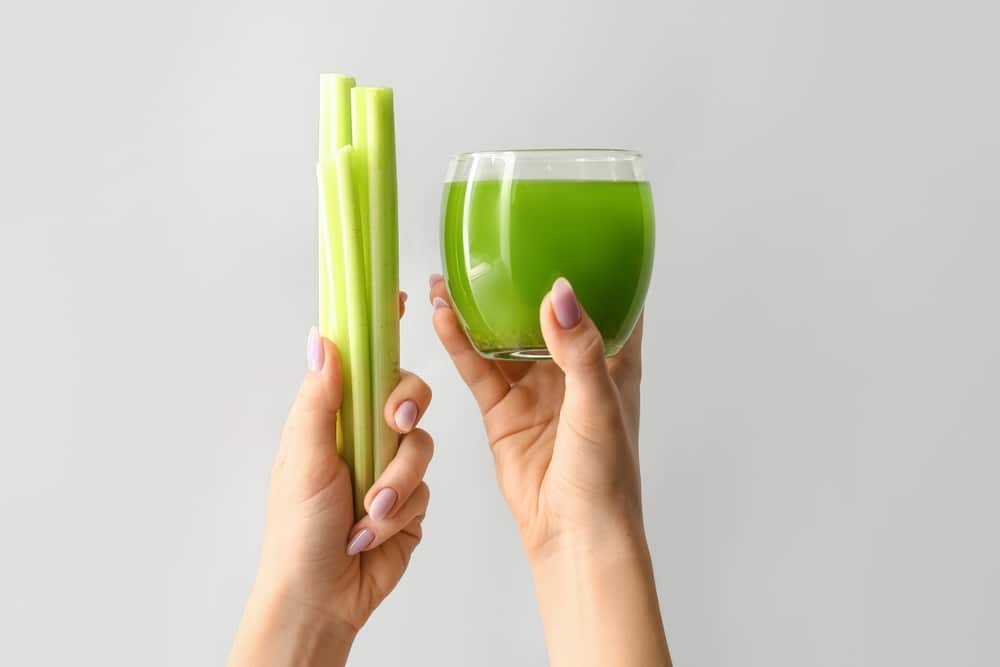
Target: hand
[564,436]
[321,573]
[563,432]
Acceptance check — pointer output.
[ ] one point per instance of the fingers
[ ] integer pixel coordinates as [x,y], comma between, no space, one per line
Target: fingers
[578,349]
[398,497]
[573,340]
[401,477]
[483,377]
[384,564]
[407,403]
[310,431]
[369,533]
[403,296]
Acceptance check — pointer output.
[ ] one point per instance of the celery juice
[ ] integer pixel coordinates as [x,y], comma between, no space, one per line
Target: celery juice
[505,242]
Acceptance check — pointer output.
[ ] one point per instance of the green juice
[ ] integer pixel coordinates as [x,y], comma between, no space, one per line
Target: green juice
[505,242]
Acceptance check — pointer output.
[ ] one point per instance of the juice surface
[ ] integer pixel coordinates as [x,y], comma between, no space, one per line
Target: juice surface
[505,242]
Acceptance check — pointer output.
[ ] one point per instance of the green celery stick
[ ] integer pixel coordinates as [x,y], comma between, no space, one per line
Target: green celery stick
[334,114]
[332,250]
[334,132]
[374,142]
[357,408]
[359,136]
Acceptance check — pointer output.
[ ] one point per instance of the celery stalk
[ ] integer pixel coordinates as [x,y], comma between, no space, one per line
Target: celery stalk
[359,163]
[374,141]
[332,275]
[357,408]
[334,114]
[334,132]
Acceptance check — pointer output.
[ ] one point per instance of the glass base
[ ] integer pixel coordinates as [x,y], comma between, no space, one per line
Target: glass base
[518,354]
[535,353]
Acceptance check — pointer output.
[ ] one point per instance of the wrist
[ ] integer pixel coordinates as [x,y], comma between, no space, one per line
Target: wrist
[592,557]
[609,535]
[277,629]
[597,598]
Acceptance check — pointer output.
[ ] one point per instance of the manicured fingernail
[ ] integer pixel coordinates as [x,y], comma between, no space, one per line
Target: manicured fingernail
[404,296]
[406,415]
[564,303]
[435,279]
[314,350]
[360,542]
[440,303]
[382,503]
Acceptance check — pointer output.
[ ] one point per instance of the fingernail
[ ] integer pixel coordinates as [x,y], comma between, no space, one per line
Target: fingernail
[406,415]
[435,279]
[382,503]
[314,350]
[404,296]
[440,303]
[564,303]
[360,542]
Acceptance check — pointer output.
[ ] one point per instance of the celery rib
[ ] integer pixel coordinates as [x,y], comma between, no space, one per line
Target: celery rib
[334,132]
[359,164]
[357,406]
[374,140]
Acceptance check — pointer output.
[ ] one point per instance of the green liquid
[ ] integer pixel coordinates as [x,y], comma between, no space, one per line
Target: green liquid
[505,242]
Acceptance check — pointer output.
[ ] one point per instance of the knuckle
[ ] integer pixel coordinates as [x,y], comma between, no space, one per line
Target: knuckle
[426,443]
[420,443]
[311,399]
[588,349]
[424,494]
[420,438]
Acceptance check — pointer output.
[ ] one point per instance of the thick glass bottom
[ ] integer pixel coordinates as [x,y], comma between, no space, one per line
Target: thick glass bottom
[537,353]
[518,354]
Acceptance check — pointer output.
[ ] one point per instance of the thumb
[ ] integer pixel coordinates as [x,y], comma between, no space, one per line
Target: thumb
[578,349]
[309,439]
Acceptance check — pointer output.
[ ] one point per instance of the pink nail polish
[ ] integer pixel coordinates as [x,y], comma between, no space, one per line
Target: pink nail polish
[564,304]
[406,415]
[382,503]
[314,350]
[440,303]
[360,542]
[435,279]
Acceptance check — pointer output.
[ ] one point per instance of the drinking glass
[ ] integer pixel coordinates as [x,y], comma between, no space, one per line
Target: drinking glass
[513,221]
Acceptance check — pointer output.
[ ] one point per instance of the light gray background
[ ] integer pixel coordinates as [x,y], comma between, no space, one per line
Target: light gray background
[821,435]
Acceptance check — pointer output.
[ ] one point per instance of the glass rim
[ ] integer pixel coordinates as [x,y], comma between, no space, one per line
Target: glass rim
[554,154]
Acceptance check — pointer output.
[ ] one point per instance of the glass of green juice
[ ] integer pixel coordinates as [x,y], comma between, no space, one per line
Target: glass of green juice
[513,221]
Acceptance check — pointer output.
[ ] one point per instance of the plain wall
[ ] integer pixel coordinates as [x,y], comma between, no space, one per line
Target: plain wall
[821,435]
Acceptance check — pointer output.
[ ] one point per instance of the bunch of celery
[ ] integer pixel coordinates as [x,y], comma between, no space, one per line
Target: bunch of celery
[359,266]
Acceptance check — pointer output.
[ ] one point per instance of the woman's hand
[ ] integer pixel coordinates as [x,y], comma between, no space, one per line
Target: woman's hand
[321,573]
[564,436]
[563,432]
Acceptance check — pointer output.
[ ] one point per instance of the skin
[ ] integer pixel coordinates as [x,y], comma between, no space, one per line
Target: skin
[564,438]
[310,597]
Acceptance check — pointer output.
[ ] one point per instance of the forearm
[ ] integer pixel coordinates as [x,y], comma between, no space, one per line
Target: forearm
[598,603]
[277,633]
